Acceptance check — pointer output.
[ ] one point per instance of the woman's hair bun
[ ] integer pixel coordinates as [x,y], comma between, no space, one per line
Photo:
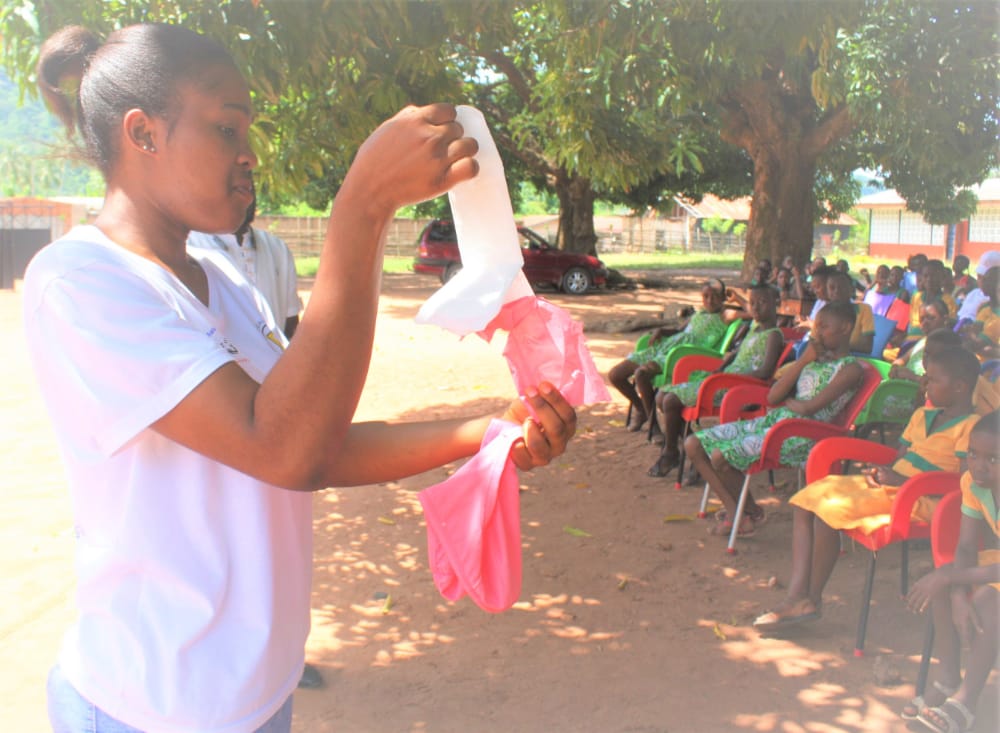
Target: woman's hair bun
[61,64]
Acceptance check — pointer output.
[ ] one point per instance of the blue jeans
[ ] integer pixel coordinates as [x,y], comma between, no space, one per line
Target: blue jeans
[69,712]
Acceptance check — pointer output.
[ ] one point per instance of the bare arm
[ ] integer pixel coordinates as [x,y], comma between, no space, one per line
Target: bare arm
[845,379]
[785,384]
[294,430]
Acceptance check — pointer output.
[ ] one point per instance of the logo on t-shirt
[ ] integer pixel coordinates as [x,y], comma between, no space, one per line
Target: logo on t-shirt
[222,341]
[270,335]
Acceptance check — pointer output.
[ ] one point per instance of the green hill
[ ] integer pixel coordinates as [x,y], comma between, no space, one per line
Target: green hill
[33,160]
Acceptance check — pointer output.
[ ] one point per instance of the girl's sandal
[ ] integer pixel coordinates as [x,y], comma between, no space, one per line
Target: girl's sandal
[942,720]
[725,528]
[912,709]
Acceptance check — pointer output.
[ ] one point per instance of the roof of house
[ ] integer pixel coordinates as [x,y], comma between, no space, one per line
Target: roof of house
[736,209]
[988,190]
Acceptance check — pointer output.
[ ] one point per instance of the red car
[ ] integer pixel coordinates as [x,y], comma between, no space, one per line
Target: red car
[437,254]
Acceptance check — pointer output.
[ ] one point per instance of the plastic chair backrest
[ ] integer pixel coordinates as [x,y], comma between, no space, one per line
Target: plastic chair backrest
[729,335]
[899,390]
[642,343]
[794,333]
[880,364]
[884,328]
[945,525]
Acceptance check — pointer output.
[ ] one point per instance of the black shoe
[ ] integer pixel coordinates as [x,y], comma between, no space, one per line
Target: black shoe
[311,678]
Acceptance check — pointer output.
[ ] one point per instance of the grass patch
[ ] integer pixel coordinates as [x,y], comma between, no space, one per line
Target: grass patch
[307,266]
[667,260]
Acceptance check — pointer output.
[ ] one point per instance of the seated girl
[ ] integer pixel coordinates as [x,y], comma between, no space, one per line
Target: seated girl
[823,380]
[705,328]
[882,294]
[935,439]
[840,288]
[931,287]
[757,356]
[964,597]
[934,319]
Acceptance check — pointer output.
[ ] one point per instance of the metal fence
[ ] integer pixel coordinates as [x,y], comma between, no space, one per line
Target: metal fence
[304,236]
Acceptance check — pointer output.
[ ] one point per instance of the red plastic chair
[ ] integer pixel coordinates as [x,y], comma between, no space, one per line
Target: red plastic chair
[829,457]
[945,525]
[704,405]
[755,397]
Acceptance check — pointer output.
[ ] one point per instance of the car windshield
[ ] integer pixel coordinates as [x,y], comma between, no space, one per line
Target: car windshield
[531,240]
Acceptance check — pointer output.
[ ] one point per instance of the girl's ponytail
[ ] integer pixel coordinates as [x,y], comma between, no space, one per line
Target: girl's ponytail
[61,64]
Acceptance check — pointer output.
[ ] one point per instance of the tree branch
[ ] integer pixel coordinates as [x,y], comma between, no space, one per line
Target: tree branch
[834,125]
[527,152]
[521,82]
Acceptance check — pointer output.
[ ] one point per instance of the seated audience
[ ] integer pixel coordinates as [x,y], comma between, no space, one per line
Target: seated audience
[935,439]
[757,356]
[706,327]
[817,385]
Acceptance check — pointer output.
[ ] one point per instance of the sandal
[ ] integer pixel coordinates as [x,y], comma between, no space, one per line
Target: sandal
[724,528]
[776,621]
[912,709]
[941,720]
[663,466]
[759,518]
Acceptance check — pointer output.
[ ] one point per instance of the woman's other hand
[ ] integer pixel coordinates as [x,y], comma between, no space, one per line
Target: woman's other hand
[548,422]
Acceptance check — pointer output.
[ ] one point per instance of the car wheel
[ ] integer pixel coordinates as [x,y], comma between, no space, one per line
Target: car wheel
[576,281]
[450,271]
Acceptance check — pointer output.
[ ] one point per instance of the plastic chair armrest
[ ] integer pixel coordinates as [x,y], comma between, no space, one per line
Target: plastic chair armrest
[691,363]
[829,452]
[738,397]
[716,382]
[932,483]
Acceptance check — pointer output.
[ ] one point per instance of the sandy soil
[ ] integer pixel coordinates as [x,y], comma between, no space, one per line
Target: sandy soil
[626,622]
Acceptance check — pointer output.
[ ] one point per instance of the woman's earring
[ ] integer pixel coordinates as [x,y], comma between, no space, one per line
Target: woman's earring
[149,147]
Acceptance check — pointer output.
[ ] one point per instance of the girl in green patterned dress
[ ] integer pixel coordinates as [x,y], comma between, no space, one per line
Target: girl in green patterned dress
[823,380]
[705,328]
[757,356]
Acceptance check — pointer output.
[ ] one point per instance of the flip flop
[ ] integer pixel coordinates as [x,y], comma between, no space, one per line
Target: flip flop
[772,621]
[947,722]
[912,709]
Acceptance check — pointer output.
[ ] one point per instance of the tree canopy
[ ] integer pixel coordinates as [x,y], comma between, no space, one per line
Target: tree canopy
[633,101]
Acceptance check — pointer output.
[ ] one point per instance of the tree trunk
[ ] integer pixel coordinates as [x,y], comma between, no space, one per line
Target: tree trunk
[576,213]
[781,213]
[776,121]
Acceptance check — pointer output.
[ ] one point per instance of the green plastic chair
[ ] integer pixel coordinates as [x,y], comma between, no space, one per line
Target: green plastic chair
[892,404]
[678,352]
[881,365]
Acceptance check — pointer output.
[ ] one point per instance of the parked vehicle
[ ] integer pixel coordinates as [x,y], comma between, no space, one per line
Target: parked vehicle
[437,254]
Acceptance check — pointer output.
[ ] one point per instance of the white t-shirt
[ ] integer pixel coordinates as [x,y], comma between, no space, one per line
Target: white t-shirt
[193,578]
[266,261]
[974,299]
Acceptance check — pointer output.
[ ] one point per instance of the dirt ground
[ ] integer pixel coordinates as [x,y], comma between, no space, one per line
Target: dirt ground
[626,622]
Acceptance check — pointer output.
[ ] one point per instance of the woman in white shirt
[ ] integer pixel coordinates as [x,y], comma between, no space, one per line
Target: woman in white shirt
[192,432]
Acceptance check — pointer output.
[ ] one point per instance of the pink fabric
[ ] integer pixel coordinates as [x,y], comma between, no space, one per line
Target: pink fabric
[474,525]
[545,343]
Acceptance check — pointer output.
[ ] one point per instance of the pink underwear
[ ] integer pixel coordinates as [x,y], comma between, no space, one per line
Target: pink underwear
[474,517]
[474,525]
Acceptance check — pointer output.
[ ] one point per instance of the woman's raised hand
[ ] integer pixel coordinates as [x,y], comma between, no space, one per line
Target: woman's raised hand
[548,422]
[416,155]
